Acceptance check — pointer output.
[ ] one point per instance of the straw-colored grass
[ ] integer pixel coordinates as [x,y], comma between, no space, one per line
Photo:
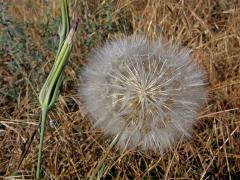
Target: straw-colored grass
[211,29]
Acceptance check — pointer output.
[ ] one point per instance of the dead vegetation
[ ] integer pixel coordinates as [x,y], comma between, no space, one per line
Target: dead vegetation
[28,38]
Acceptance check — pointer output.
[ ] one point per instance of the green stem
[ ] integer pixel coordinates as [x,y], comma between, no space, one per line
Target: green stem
[65,25]
[105,156]
[43,122]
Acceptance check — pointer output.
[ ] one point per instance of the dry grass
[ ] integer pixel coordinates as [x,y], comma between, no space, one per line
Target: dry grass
[72,148]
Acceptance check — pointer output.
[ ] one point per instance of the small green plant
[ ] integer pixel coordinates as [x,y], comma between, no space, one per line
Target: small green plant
[20,53]
[50,89]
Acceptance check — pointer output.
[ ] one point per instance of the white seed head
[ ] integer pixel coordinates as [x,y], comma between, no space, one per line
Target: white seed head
[151,88]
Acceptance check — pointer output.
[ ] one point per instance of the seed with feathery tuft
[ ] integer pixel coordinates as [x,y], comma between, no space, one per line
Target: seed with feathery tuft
[151,88]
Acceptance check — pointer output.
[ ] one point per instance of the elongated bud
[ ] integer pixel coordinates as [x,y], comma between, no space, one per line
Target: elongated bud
[50,89]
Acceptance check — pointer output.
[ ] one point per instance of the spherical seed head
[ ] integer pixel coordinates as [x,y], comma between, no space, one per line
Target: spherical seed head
[151,88]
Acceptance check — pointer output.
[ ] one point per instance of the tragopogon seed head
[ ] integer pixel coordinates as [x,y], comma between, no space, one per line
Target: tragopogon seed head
[150,87]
